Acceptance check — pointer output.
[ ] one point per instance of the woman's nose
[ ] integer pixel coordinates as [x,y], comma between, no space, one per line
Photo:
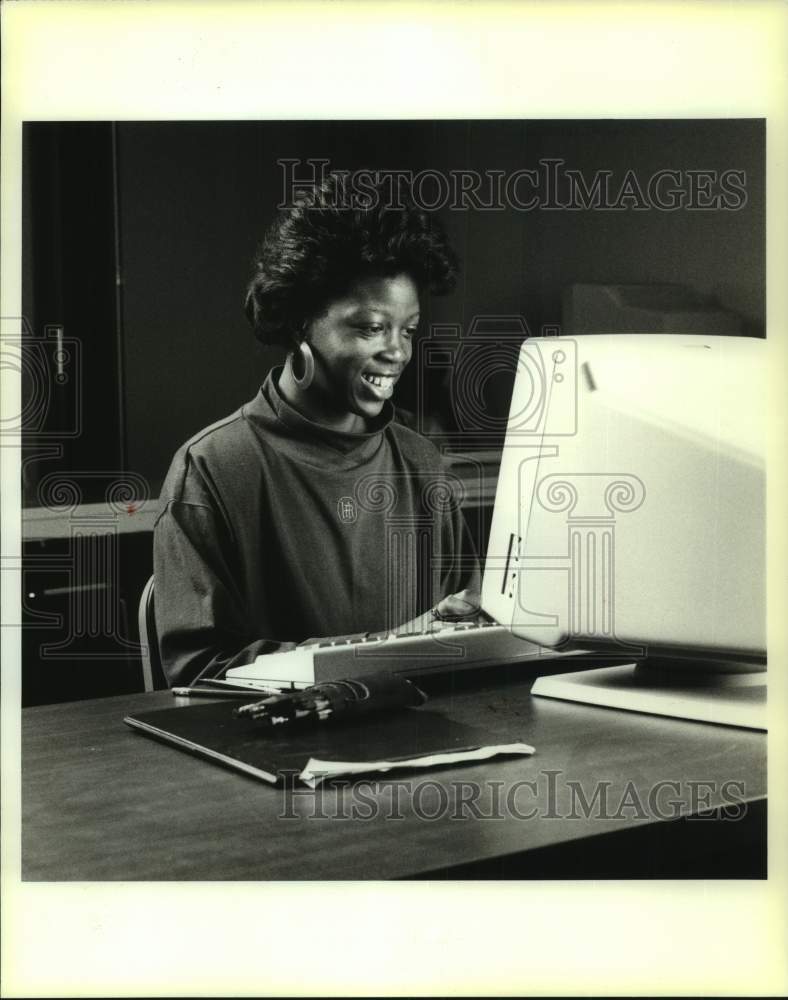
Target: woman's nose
[397,347]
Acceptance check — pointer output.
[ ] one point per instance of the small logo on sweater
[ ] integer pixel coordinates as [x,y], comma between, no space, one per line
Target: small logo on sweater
[346,510]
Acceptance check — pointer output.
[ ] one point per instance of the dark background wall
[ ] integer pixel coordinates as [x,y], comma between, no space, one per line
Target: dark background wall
[718,252]
[195,199]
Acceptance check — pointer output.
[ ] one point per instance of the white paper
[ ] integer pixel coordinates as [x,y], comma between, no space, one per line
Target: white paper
[316,770]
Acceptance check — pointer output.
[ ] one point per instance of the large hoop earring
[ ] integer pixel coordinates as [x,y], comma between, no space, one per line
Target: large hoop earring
[308,360]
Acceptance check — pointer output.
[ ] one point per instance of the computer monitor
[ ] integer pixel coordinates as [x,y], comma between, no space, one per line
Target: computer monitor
[630,517]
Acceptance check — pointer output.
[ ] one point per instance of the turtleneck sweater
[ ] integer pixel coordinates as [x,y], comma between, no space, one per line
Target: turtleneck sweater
[274,529]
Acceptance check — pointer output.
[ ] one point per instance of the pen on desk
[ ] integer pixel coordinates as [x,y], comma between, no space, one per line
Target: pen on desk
[223,685]
[205,692]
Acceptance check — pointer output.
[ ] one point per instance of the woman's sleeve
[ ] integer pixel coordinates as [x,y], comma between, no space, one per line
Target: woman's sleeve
[201,618]
[460,560]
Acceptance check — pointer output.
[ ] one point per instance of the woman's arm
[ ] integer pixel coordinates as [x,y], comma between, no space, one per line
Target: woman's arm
[201,617]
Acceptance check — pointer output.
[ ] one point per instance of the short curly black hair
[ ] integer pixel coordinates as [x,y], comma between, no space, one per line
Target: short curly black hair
[331,238]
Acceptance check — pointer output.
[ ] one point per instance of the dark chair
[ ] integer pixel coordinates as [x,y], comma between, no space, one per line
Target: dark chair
[152,670]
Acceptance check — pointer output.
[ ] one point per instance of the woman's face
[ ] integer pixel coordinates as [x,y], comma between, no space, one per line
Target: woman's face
[361,345]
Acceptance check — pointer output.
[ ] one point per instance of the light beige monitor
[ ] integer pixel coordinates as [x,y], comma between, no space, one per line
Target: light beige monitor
[630,517]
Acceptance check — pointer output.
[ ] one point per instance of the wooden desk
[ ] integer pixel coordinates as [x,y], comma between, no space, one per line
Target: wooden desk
[101,802]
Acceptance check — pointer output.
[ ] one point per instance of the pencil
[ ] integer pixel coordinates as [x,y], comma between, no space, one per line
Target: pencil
[197,692]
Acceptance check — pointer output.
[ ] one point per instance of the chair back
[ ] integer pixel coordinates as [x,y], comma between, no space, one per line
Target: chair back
[152,670]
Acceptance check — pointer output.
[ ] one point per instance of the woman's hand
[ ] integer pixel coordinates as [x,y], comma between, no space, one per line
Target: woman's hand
[462,606]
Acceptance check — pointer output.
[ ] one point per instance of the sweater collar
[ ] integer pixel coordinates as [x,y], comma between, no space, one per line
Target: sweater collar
[309,441]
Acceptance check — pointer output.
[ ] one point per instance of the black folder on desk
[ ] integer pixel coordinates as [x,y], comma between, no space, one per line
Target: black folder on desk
[412,737]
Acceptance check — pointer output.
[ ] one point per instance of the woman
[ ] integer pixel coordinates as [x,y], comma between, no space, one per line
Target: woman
[311,511]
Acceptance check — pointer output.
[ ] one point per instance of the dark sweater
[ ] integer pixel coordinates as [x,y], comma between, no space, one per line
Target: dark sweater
[274,529]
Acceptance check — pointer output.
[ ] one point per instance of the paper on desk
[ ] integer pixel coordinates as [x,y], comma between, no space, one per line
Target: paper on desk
[317,770]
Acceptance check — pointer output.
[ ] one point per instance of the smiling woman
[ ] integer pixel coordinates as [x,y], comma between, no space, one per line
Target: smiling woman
[354,353]
[339,279]
[311,511]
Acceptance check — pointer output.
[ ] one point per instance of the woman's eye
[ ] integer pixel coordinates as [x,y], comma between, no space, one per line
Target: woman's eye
[376,329]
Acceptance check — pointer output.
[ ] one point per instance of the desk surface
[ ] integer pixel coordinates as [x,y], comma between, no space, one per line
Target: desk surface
[101,802]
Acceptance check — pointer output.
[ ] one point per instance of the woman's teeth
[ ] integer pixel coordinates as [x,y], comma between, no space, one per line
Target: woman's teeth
[381,381]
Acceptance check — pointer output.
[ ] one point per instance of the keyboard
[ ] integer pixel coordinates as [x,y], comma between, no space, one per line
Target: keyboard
[459,646]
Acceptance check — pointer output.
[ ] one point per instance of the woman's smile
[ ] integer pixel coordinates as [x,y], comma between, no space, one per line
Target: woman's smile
[381,385]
